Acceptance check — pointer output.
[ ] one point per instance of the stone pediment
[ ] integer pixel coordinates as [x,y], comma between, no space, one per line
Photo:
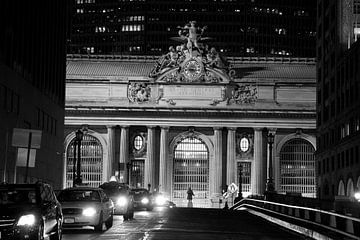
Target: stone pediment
[193,61]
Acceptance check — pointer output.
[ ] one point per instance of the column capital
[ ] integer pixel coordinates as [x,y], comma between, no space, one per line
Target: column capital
[218,128]
[258,129]
[151,126]
[110,126]
[124,126]
[231,128]
[166,128]
[272,131]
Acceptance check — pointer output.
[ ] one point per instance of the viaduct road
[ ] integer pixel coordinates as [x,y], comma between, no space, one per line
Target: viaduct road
[188,224]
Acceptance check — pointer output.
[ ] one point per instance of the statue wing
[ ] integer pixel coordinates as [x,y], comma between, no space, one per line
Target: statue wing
[179,39]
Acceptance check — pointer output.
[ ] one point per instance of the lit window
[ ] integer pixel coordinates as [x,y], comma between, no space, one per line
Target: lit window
[244,144]
[138,142]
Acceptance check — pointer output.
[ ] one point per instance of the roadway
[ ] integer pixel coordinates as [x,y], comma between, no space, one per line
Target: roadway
[187,223]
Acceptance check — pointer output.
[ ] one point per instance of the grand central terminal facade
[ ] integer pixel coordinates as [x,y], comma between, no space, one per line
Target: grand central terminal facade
[191,118]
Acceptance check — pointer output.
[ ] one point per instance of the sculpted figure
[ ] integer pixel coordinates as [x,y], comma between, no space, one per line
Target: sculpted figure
[193,34]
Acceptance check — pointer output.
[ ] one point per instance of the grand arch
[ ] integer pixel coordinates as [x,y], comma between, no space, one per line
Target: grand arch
[193,152]
[98,151]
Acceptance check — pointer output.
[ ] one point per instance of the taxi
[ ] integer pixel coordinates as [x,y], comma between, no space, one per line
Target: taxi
[86,206]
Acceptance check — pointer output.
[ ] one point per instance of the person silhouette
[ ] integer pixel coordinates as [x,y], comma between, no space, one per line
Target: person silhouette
[190,195]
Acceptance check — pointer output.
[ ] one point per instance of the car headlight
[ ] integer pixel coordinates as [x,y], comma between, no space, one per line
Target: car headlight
[89,212]
[28,220]
[122,201]
[145,201]
[160,200]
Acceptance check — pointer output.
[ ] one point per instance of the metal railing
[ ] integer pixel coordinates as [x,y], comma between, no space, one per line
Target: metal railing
[329,223]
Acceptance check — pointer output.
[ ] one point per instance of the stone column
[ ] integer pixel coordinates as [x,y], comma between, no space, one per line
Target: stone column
[150,159]
[163,168]
[258,169]
[111,152]
[124,153]
[230,158]
[216,166]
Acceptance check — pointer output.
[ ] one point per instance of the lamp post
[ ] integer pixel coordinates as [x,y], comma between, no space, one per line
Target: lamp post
[240,181]
[269,182]
[79,135]
[74,162]
[129,165]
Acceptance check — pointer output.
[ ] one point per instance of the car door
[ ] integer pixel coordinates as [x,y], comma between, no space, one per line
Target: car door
[48,208]
[106,204]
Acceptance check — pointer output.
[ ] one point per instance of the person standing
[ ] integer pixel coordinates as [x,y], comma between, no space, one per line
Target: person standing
[190,195]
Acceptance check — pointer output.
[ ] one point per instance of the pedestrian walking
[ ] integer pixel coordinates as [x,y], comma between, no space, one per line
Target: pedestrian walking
[190,195]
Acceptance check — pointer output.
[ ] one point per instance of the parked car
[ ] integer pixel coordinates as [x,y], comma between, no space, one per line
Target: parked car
[120,195]
[86,206]
[29,211]
[142,199]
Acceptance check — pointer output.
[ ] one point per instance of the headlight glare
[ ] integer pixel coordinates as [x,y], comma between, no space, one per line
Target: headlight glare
[160,200]
[145,201]
[89,212]
[26,220]
[122,201]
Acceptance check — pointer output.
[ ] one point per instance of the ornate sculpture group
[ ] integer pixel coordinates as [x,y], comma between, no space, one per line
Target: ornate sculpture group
[193,47]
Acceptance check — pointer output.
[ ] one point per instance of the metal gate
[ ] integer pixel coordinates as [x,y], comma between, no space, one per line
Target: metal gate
[191,169]
[297,167]
[91,162]
[137,173]
[244,168]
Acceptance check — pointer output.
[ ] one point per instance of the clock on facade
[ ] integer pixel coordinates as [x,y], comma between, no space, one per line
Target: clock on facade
[244,144]
[193,69]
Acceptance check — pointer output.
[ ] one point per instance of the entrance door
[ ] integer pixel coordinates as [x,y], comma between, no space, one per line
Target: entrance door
[191,169]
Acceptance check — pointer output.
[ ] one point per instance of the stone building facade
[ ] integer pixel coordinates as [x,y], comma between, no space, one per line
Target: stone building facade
[167,125]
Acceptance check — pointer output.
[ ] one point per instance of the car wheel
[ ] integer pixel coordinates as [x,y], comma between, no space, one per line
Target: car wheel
[131,214]
[40,235]
[99,226]
[126,216]
[58,232]
[109,222]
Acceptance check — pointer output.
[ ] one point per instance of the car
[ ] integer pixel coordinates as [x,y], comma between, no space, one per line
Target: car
[86,206]
[120,195]
[161,201]
[29,211]
[142,199]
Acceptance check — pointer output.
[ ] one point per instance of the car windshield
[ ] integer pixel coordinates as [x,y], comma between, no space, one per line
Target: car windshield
[113,189]
[139,191]
[18,196]
[79,195]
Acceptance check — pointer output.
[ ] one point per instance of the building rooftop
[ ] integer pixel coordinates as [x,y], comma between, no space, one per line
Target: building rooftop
[139,67]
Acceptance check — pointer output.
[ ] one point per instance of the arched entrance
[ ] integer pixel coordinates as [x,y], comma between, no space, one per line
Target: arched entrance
[191,169]
[91,161]
[297,167]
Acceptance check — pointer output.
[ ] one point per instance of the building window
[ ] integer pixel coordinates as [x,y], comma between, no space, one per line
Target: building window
[91,161]
[191,169]
[138,142]
[297,167]
[244,144]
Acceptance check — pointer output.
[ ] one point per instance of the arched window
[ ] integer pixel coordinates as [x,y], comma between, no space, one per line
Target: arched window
[91,161]
[191,169]
[341,188]
[297,167]
[350,188]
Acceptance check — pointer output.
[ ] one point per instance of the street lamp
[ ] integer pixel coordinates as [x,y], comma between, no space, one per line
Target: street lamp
[78,138]
[129,165]
[240,181]
[74,162]
[269,182]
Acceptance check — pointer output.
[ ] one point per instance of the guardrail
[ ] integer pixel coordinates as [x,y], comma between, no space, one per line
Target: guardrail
[328,222]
